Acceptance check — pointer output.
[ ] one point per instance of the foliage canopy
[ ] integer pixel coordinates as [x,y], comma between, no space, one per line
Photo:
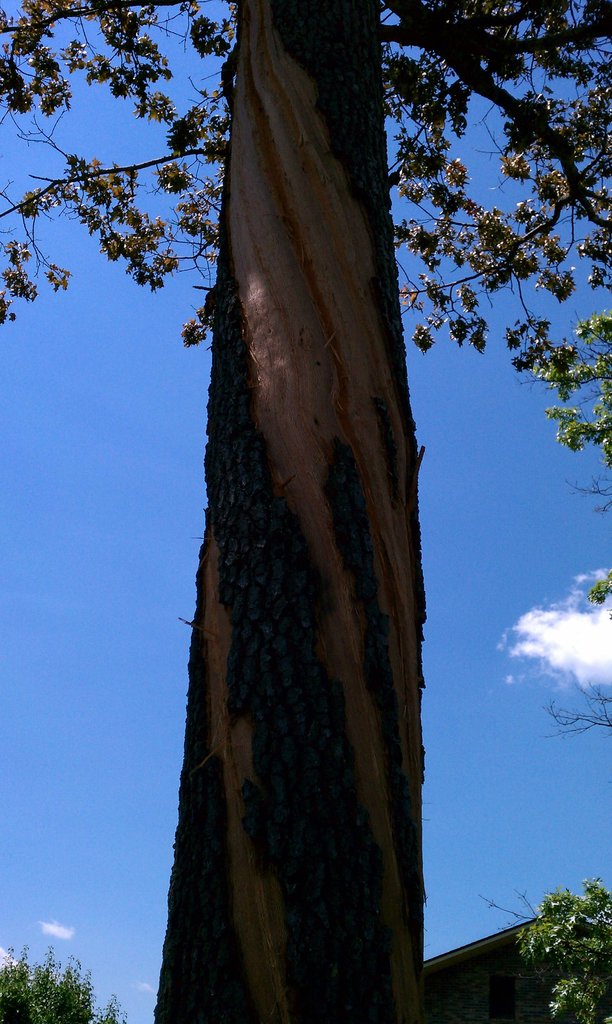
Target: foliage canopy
[532,79]
[46,994]
[573,935]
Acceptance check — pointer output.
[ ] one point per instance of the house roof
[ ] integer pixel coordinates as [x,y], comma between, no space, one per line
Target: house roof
[486,945]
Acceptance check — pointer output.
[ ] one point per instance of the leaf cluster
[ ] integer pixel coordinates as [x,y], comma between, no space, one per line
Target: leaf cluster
[47,994]
[534,82]
[580,373]
[573,935]
[119,47]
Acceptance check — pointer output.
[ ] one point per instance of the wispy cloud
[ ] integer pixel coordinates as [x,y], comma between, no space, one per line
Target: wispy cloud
[57,930]
[570,640]
[143,986]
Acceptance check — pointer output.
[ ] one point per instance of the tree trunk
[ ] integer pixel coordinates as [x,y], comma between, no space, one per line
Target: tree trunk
[296,894]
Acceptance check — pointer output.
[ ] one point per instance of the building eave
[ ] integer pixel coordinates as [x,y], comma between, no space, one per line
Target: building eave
[478,948]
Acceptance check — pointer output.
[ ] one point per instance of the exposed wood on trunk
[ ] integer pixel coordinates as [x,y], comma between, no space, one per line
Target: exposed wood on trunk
[318,358]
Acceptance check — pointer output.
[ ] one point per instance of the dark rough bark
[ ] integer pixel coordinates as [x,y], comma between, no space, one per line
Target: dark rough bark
[201,979]
[296,892]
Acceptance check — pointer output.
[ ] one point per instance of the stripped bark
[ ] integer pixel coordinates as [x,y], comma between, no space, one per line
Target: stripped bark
[296,893]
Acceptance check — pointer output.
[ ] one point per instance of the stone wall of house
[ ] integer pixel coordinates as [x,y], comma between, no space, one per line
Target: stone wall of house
[460,994]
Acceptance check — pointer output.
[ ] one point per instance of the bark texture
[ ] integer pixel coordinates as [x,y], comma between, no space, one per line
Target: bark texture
[296,894]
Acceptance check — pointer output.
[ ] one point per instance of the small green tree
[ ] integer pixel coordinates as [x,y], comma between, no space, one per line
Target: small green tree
[582,372]
[581,375]
[46,994]
[573,935]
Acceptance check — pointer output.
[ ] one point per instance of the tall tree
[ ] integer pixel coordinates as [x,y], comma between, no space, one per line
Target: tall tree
[296,893]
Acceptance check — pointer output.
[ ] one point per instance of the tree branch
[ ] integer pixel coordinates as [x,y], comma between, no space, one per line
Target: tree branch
[98,172]
[462,52]
[574,721]
[471,30]
[66,13]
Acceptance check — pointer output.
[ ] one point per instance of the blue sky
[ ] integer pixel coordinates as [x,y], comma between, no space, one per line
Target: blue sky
[103,423]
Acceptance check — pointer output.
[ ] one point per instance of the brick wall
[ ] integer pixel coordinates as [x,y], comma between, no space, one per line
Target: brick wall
[460,994]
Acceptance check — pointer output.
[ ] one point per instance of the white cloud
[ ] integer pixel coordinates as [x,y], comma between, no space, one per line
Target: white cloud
[143,986]
[588,577]
[570,640]
[6,958]
[57,930]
